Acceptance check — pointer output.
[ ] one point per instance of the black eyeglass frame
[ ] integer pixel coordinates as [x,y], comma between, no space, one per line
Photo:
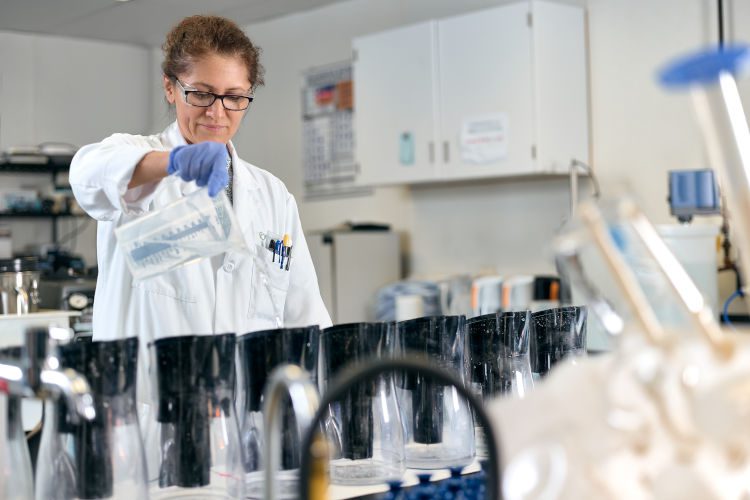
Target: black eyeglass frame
[192,90]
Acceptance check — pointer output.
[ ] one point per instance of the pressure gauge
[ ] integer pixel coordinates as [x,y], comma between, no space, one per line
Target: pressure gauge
[78,301]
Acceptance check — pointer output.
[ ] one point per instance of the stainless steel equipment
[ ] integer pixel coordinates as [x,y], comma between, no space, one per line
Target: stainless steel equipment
[38,373]
[74,294]
[19,285]
[16,453]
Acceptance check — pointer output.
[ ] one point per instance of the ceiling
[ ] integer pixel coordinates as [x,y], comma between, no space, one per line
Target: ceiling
[142,22]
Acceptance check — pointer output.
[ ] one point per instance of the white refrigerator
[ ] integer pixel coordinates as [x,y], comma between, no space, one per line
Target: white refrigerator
[352,265]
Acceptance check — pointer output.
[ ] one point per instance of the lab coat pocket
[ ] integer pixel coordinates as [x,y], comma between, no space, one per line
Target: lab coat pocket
[163,287]
[165,306]
[270,287]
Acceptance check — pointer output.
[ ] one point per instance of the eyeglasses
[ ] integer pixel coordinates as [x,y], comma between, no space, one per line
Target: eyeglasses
[206,99]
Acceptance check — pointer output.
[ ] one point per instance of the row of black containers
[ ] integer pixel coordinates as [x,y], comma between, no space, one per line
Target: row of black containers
[196,376]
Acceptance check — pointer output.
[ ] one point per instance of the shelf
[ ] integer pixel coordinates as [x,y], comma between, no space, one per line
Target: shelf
[32,215]
[34,168]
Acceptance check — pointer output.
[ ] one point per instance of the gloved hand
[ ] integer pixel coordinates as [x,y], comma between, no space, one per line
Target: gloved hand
[205,163]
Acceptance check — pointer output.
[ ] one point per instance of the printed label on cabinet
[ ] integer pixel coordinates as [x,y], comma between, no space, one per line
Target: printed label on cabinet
[484,139]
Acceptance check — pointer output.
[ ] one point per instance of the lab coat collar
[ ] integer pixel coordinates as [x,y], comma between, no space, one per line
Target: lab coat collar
[172,136]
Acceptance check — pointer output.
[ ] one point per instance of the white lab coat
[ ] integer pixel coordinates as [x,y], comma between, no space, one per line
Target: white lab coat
[196,298]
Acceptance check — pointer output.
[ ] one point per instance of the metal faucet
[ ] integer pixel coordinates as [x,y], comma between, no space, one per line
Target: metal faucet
[40,374]
[288,380]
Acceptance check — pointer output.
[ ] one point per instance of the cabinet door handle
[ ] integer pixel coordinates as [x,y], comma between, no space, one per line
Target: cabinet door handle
[446,151]
[431,150]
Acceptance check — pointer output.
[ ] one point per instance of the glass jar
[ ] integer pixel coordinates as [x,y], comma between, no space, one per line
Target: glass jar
[258,354]
[557,334]
[102,458]
[366,425]
[438,421]
[197,429]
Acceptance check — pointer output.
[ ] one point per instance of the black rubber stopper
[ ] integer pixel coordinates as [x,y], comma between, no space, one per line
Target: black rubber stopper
[110,369]
[556,333]
[342,345]
[544,286]
[194,374]
[261,352]
[436,338]
[493,338]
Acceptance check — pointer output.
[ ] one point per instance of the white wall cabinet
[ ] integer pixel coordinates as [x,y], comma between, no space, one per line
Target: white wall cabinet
[493,93]
[396,95]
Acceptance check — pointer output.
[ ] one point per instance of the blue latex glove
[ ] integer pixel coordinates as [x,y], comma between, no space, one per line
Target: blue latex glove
[205,163]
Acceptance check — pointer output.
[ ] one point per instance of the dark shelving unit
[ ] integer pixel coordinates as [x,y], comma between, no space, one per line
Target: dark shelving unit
[52,168]
[36,215]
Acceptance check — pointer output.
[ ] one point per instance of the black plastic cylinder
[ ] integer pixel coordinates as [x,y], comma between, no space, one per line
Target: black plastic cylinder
[557,334]
[259,353]
[493,338]
[194,374]
[441,340]
[342,345]
[110,368]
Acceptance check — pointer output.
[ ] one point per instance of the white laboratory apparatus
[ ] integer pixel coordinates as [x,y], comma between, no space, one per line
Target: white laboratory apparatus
[352,264]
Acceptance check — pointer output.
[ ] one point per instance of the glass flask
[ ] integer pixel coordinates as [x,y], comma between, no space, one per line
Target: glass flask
[258,354]
[438,421]
[557,334]
[365,426]
[499,359]
[102,458]
[198,433]
[17,471]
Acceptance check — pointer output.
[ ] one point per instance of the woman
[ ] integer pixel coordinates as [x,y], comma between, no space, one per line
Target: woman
[210,72]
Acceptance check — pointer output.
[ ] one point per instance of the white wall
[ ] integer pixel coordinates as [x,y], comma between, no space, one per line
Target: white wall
[638,131]
[67,90]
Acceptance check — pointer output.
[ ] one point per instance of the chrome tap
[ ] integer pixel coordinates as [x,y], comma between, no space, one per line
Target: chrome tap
[40,374]
[288,380]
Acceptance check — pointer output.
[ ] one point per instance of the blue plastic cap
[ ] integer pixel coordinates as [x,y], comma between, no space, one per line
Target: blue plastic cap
[704,67]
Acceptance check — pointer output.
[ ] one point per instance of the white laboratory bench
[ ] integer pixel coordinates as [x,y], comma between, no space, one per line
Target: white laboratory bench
[13,326]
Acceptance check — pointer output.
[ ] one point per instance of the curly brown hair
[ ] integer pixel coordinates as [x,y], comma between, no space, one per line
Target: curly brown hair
[196,36]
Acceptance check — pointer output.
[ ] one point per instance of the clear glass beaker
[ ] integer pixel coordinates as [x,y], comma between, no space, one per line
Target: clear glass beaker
[198,432]
[102,458]
[499,360]
[258,354]
[438,421]
[365,426]
[191,228]
[557,334]
[19,481]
